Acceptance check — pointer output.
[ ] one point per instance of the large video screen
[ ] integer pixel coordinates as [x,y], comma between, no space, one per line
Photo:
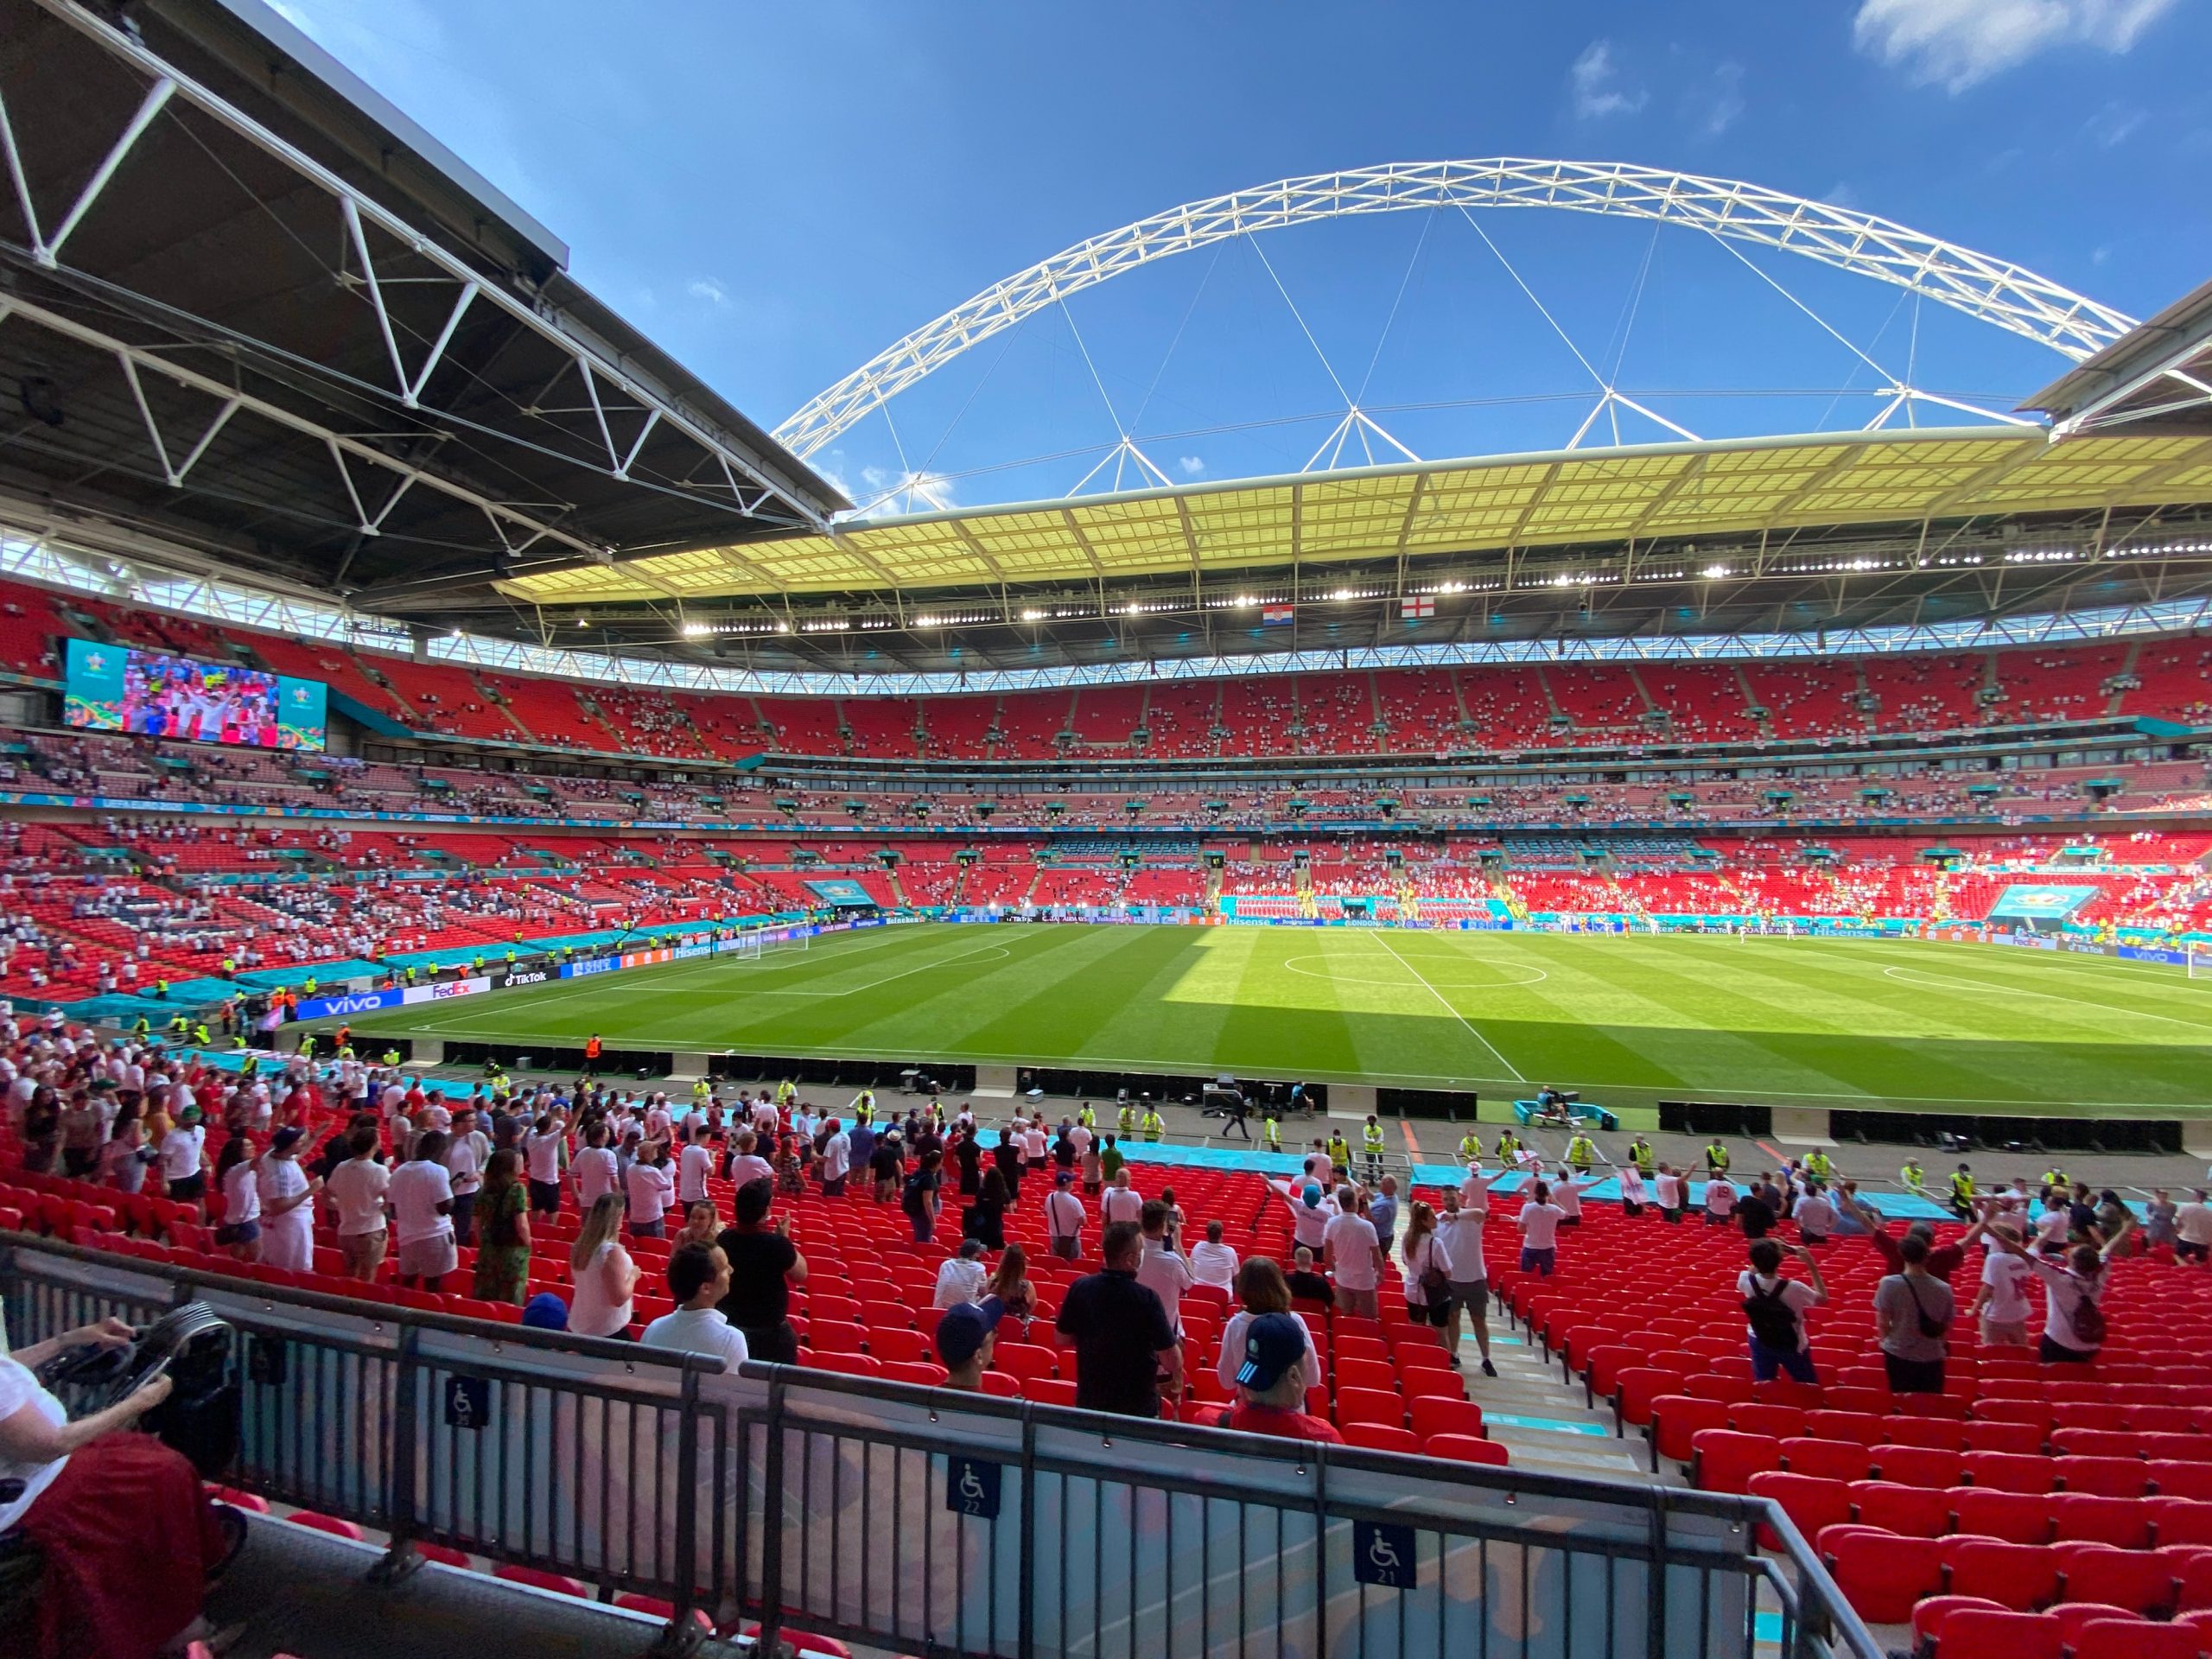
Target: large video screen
[158,694]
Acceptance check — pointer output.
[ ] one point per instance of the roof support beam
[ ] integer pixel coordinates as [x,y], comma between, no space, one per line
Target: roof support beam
[156,99]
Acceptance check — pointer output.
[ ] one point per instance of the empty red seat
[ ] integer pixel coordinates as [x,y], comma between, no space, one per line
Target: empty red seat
[1381,1437]
[1465,1448]
[2084,1517]
[2016,1517]
[1880,1573]
[1724,1461]
[1932,1615]
[1435,1415]
[1915,1511]
[1779,1422]
[1830,1459]
[2179,1520]
[2010,1471]
[1861,1426]
[538,1578]
[2106,1476]
[1676,1417]
[922,1373]
[2021,1438]
[894,1346]
[2139,1579]
[2118,1639]
[1370,1406]
[1366,1374]
[2022,1577]
[2177,1448]
[1025,1360]
[1920,1465]
[1937,1432]
[2176,1479]
[330,1523]
[1974,1632]
[1810,1502]
[2095,1443]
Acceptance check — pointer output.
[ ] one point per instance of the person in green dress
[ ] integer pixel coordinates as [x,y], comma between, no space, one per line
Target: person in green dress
[503,1232]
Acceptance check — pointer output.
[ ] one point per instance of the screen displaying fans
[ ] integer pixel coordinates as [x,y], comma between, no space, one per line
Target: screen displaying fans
[155,694]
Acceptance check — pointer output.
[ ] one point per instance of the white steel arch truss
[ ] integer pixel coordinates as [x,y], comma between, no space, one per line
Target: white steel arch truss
[1991,290]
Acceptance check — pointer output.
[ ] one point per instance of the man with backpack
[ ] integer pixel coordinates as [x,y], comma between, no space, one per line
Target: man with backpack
[1774,1308]
[1913,1311]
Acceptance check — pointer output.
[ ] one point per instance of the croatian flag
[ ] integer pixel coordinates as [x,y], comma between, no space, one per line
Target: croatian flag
[1412,610]
[1276,616]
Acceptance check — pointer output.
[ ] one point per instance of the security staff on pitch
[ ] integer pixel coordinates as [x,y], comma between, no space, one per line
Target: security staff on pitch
[1509,1147]
[1716,1157]
[1339,1149]
[1640,1155]
[1154,1126]
[1913,1177]
[1471,1147]
[1370,1142]
[1962,1192]
[1819,1165]
[1581,1151]
[1271,1133]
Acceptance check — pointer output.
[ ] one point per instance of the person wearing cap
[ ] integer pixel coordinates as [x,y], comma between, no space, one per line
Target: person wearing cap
[1063,1217]
[545,1311]
[966,1336]
[1271,1381]
[962,1279]
[1124,1345]
[287,1204]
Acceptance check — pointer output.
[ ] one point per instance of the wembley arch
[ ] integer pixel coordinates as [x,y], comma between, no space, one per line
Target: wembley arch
[1991,290]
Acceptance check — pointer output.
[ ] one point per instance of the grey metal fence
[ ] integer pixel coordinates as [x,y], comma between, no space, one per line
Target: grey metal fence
[930,1522]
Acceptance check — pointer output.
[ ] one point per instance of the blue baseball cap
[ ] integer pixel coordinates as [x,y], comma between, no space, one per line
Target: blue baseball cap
[1273,1344]
[961,1333]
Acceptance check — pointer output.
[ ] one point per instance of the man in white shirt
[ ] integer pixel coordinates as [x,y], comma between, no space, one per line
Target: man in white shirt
[1566,1193]
[1063,1219]
[1121,1201]
[1720,1200]
[836,1161]
[596,1169]
[1774,1309]
[1213,1263]
[1816,1214]
[1035,1145]
[1671,1190]
[1539,1224]
[962,1278]
[651,1189]
[1352,1255]
[542,1150]
[2193,1229]
[1474,1192]
[1461,1230]
[1166,1275]
[421,1208]
[184,1156]
[693,1165]
[698,1277]
[356,1190]
[1310,1210]
[2003,1302]
[746,1166]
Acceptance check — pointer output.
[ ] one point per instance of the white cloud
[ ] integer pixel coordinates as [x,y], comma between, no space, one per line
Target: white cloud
[1192,466]
[1592,80]
[2114,125]
[1719,104]
[705,287]
[1957,42]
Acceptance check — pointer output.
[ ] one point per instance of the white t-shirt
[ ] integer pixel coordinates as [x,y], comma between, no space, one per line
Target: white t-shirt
[279,1179]
[591,1312]
[1463,1242]
[693,1165]
[2008,1278]
[1670,1191]
[2062,1292]
[746,1168]
[1353,1240]
[1167,1275]
[1567,1195]
[181,1152]
[356,1189]
[698,1331]
[1539,1225]
[1815,1217]
[836,1156]
[2052,1226]
[465,1163]
[1063,1214]
[596,1175]
[1431,1252]
[1796,1296]
[959,1280]
[1213,1264]
[652,1190]
[19,1388]
[417,1190]
[542,1156]
[241,1195]
[2193,1224]
[1474,1192]
[1120,1204]
[1720,1197]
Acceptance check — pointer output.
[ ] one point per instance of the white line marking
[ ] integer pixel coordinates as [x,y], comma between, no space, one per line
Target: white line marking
[1448,1008]
[1912,976]
[941,962]
[1291,966]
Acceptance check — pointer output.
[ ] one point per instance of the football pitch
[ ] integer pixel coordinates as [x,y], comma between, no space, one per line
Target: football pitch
[1629,1020]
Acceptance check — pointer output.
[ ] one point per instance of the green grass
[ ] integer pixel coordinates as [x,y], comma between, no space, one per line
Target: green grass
[1629,1020]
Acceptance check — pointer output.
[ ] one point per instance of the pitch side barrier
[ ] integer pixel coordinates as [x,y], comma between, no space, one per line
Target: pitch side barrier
[926,1520]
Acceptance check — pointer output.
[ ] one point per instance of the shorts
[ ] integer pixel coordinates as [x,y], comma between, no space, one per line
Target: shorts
[1539,1262]
[246,1232]
[2057,1353]
[190,1188]
[1794,1361]
[1913,1375]
[1472,1296]
[429,1258]
[2003,1333]
[364,1252]
[545,1197]
[657,1228]
[1436,1313]
[2185,1251]
[1674,1215]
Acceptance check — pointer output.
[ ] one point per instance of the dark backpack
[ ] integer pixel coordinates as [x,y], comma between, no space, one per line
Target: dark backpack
[912,1196]
[1772,1322]
[2089,1319]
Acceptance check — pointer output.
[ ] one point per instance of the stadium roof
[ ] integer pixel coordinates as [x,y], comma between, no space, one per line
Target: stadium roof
[254,313]
[2156,378]
[1494,506]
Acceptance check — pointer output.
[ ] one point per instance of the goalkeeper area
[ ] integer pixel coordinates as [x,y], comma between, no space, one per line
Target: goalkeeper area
[1629,1020]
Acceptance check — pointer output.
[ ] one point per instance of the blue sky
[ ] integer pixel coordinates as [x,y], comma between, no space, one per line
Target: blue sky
[775,192]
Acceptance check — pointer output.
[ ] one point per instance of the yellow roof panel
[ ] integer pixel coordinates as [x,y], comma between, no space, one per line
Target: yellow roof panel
[1574,496]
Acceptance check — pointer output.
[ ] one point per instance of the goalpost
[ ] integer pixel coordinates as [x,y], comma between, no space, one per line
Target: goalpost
[2199,959]
[751,947]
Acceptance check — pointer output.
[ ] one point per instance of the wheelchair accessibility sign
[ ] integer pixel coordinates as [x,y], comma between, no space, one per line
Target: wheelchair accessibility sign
[971,1487]
[1383,1555]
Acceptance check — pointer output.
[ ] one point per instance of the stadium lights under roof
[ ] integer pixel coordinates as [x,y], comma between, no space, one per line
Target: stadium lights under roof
[1584,497]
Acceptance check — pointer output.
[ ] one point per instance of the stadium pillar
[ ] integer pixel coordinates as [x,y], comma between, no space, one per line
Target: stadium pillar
[1801,1126]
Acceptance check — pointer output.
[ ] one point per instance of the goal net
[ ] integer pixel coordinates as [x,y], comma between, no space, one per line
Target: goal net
[2200,960]
[751,947]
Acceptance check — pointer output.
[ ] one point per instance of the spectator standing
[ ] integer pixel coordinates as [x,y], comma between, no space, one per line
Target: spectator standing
[984,1220]
[287,1204]
[2193,1229]
[651,1192]
[1010,1288]
[2073,1318]
[1121,1202]
[1260,1289]
[1307,1285]
[920,1198]
[2001,1300]
[356,1189]
[1382,1214]
[764,1264]
[1720,1201]
[604,1276]
[1539,1224]
[1913,1311]
[1159,1268]
[240,1233]
[1774,1309]
[836,1161]
[466,1152]
[1670,1190]
[1063,1219]
[422,1205]
[2158,1219]
[693,1165]
[1213,1263]
[544,1151]
[1427,1269]
[698,1278]
[1124,1345]
[1461,1229]
[503,1232]
[1352,1255]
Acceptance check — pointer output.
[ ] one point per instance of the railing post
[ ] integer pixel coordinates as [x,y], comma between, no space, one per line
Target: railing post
[405,1433]
[771,1522]
[1025,1589]
[682,1632]
[1320,1550]
[1655,1601]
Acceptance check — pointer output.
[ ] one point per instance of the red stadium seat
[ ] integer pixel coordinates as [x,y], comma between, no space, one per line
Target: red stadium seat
[1830,1459]
[2139,1579]
[1380,1437]
[1973,1631]
[1434,1417]
[1880,1573]
[1915,1511]
[2082,1517]
[1723,1460]
[2016,1517]
[2117,1638]
[1465,1448]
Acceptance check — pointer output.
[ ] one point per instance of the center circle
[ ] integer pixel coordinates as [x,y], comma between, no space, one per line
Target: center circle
[1403,979]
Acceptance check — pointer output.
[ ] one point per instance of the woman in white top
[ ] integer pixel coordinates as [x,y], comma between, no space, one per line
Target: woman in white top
[287,1204]
[240,1232]
[1427,1269]
[605,1275]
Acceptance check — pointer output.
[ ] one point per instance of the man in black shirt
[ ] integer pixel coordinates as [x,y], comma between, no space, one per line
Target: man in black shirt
[1754,1215]
[763,1264]
[1123,1342]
